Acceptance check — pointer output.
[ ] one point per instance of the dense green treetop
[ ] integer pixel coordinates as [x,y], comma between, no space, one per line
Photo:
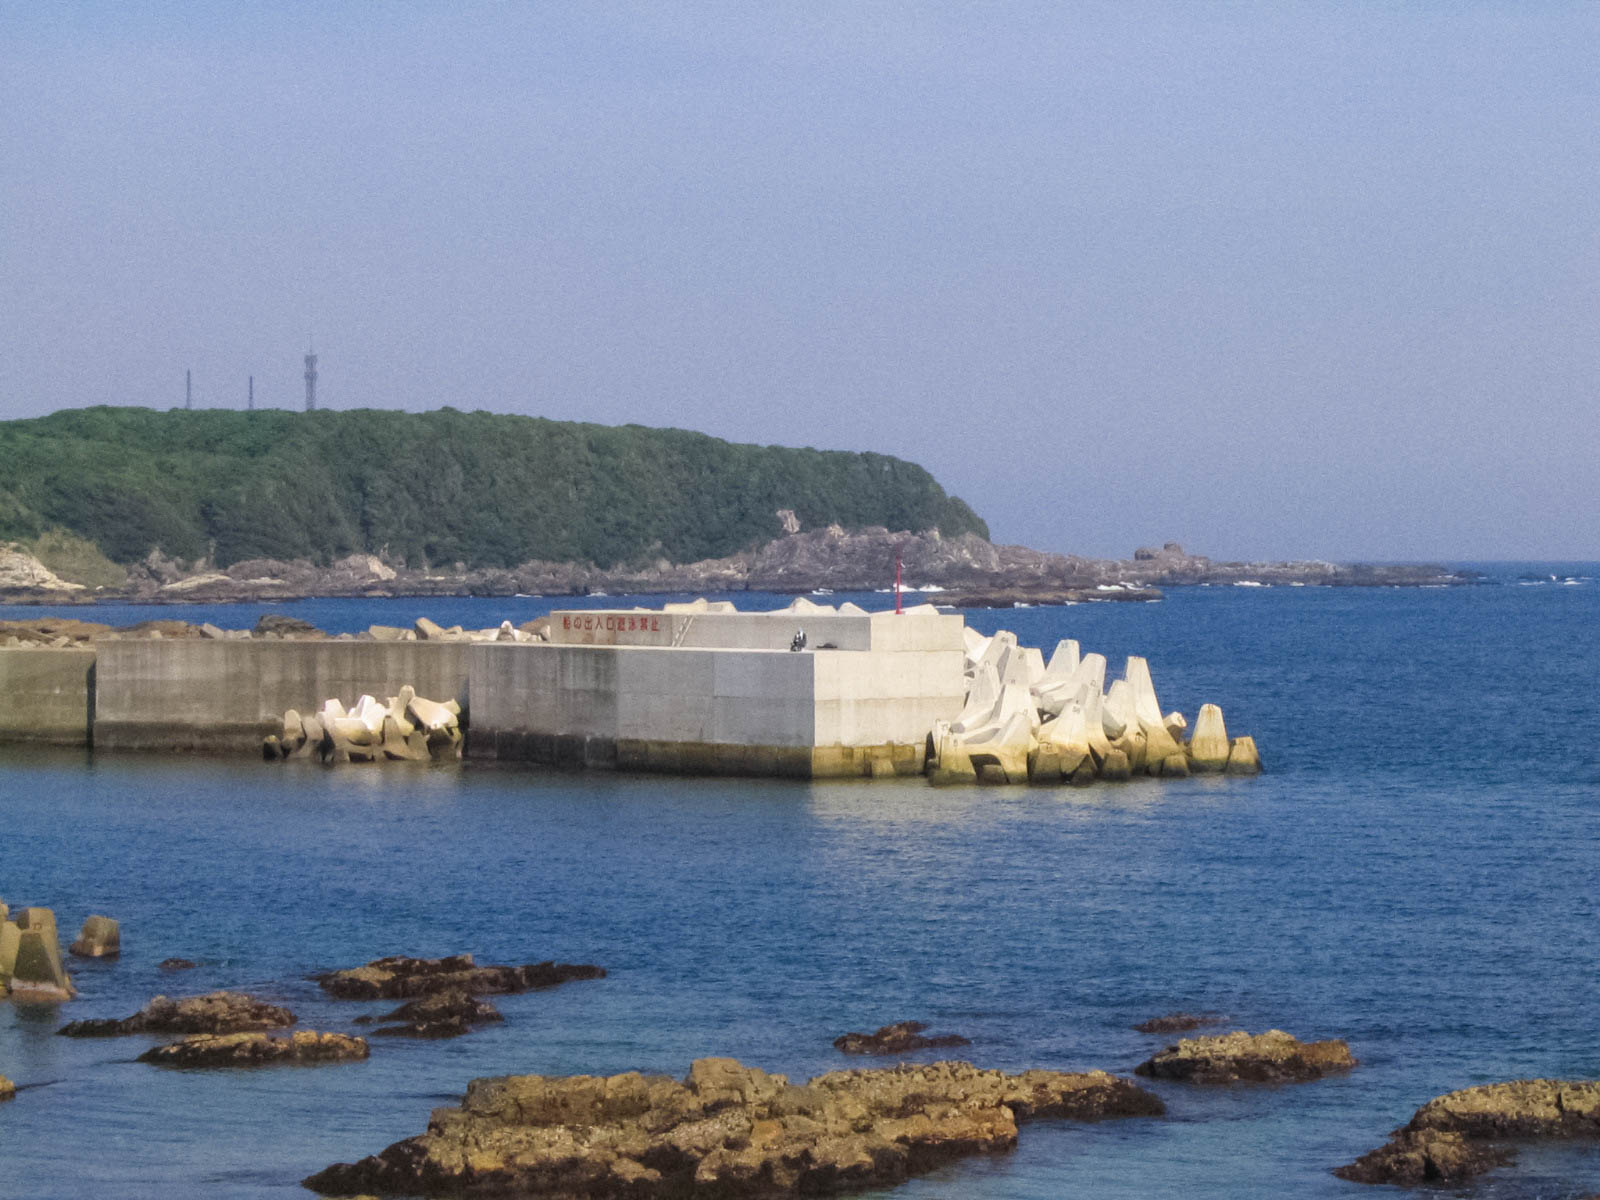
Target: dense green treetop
[438,487]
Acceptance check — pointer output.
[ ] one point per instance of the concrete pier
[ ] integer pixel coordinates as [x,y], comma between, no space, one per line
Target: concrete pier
[47,695]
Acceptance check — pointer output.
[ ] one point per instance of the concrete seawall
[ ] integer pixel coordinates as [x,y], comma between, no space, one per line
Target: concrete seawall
[46,695]
[225,696]
[712,712]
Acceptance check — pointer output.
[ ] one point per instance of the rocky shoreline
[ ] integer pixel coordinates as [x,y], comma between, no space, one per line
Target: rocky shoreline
[974,573]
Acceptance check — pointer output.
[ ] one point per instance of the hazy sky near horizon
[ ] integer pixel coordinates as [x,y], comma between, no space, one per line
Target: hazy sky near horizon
[1273,280]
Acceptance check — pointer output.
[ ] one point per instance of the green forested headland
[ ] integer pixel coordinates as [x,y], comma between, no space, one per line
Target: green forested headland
[429,488]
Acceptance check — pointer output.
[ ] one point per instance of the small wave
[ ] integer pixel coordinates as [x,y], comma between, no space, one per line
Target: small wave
[1250,583]
[930,587]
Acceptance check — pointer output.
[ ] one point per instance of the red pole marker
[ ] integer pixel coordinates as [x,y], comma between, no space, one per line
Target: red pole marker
[897,586]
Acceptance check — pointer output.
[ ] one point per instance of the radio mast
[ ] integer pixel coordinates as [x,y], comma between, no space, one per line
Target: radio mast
[311,379]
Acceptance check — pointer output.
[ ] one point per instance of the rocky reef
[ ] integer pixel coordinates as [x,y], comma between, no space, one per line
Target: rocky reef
[401,978]
[726,1130]
[1177,1023]
[213,1013]
[1029,721]
[304,1048]
[1465,1133]
[1239,1057]
[900,1038]
[438,1015]
[800,561]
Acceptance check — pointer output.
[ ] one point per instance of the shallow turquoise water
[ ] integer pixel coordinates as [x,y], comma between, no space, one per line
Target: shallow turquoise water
[1417,872]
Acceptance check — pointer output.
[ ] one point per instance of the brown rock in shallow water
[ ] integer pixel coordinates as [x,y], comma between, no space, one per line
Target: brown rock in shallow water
[177,964]
[7,1088]
[900,1038]
[215,1012]
[441,1015]
[1271,1057]
[1454,1136]
[1423,1156]
[727,1130]
[401,978]
[1176,1023]
[257,1050]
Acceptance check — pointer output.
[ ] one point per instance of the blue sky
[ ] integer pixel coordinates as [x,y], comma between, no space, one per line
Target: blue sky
[1274,280]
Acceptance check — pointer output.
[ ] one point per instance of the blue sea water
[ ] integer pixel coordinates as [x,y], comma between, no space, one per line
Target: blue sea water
[1418,872]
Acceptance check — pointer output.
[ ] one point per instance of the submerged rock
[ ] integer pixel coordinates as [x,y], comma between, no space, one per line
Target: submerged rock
[213,1013]
[900,1038]
[727,1130]
[257,1050]
[441,1015]
[177,964]
[400,978]
[1458,1135]
[1239,1057]
[7,1088]
[1415,1156]
[1176,1023]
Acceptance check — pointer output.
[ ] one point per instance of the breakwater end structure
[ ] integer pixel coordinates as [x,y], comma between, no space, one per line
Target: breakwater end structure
[809,691]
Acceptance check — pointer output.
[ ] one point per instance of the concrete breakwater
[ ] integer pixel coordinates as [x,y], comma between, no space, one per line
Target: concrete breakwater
[809,691]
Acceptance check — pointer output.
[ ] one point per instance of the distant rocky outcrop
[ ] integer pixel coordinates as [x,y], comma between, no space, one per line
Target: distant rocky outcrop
[1464,1133]
[727,1130]
[257,1050]
[401,978]
[214,1013]
[1176,1023]
[900,1038]
[438,1015]
[973,571]
[1271,1057]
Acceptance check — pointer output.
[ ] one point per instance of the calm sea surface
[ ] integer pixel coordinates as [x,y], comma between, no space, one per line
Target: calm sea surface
[1418,872]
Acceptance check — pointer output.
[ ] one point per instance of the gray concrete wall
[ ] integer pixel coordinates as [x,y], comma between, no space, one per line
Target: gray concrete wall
[710,711]
[46,695]
[226,696]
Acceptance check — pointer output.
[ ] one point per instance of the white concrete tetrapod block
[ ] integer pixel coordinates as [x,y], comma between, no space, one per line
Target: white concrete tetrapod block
[1117,711]
[1243,758]
[1177,725]
[1116,767]
[847,609]
[983,699]
[954,766]
[1208,747]
[1003,758]
[430,714]
[428,631]
[100,937]
[1094,723]
[371,714]
[974,644]
[311,746]
[1063,663]
[1159,745]
[1032,662]
[332,709]
[351,733]
[507,632]
[294,732]
[1145,705]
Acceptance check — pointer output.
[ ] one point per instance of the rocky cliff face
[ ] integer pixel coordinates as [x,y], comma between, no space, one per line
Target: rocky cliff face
[833,558]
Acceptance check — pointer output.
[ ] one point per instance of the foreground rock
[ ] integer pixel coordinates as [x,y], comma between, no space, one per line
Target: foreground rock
[1176,1023]
[441,1015]
[900,1038]
[727,1130]
[1460,1134]
[401,978]
[7,1089]
[257,1050]
[100,937]
[1271,1057]
[214,1013]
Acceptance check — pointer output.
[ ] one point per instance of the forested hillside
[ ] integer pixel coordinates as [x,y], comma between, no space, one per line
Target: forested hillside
[437,487]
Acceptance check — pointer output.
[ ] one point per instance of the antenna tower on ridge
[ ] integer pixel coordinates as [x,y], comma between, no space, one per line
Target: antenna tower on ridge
[311,380]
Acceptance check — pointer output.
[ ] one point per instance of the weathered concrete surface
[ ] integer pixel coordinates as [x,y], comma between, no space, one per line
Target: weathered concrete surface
[699,630]
[745,712]
[46,695]
[227,696]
